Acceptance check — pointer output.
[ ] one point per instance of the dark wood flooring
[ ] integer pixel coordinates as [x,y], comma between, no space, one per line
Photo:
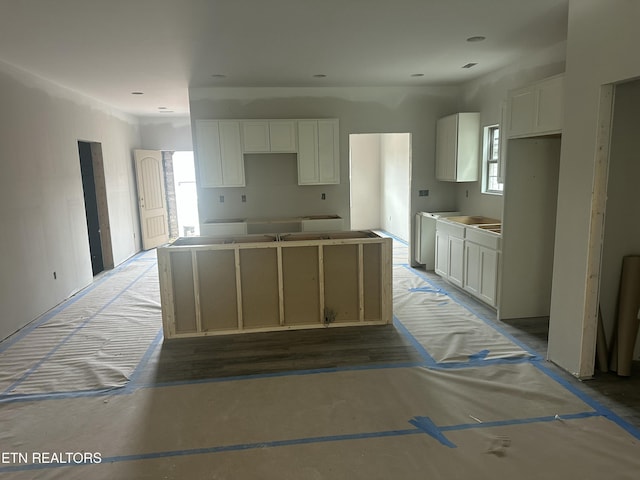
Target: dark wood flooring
[276,352]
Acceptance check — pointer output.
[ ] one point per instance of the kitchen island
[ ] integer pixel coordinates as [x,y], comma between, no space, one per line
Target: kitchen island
[233,284]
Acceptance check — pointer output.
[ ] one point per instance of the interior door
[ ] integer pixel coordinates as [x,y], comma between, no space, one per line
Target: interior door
[152,203]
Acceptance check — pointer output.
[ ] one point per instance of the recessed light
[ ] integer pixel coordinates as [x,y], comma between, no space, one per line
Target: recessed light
[218,75]
[417,74]
[319,75]
[469,65]
[477,38]
[137,93]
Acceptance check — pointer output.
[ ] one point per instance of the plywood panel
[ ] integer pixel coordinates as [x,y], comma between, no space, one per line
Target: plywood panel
[341,281]
[183,292]
[372,284]
[216,273]
[301,285]
[259,278]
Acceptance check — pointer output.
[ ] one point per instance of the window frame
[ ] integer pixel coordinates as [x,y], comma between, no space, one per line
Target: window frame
[491,157]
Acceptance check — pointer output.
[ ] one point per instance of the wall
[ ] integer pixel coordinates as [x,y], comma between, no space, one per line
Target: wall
[166,133]
[485,95]
[395,162]
[360,110]
[41,200]
[601,42]
[622,229]
[365,172]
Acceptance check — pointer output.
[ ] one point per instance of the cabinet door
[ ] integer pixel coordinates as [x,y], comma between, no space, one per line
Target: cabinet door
[307,152]
[255,136]
[328,155]
[446,148]
[208,153]
[456,261]
[442,254]
[472,267]
[231,154]
[550,106]
[282,136]
[521,112]
[488,262]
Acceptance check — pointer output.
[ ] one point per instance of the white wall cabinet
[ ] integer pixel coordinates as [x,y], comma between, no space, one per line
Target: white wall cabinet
[266,136]
[219,153]
[458,147]
[318,152]
[536,109]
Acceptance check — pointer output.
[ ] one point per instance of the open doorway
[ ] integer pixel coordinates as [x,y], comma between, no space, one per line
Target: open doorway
[96,208]
[380,179]
[184,182]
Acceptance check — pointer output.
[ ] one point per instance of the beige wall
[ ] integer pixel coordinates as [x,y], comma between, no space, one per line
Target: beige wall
[166,133]
[41,198]
[601,46]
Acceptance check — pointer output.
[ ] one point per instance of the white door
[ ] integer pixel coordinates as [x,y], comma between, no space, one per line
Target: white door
[152,202]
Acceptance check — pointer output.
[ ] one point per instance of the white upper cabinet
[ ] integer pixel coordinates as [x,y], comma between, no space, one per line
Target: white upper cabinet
[219,153]
[282,136]
[265,136]
[458,147]
[255,136]
[318,152]
[536,109]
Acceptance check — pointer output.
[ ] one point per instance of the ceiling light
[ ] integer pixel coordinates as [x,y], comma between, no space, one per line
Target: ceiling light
[319,75]
[469,65]
[478,38]
[137,93]
[162,108]
[417,75]
[218,75]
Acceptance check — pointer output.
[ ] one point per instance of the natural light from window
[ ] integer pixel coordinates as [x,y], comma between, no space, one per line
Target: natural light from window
[491,183]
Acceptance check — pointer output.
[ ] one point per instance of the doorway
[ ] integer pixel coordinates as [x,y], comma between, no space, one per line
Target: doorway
[96,208]
[380,179]
[184,180]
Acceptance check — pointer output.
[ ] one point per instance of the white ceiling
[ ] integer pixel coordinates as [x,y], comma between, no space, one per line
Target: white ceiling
[107,49]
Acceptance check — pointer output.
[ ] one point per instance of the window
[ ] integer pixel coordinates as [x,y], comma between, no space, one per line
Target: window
[490,182]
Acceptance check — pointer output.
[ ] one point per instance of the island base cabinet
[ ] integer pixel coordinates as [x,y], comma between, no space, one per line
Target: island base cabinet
[266,284]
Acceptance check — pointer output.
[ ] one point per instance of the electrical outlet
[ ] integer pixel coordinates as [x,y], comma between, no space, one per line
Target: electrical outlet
[324,196]
[221,198]
[244,198]
[467,193]
[55,276]
[423,193]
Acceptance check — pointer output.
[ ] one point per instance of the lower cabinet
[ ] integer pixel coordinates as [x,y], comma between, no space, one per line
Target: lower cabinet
[481,272]
[468,257]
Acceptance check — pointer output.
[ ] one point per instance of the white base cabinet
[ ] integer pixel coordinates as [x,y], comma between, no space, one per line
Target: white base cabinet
[468,257]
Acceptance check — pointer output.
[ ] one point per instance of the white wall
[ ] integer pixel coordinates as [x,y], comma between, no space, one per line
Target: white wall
[166,133]
[601,48]
[365,181]
[360,110]
[41,199]
[395,162]
[622,228]
[485,95]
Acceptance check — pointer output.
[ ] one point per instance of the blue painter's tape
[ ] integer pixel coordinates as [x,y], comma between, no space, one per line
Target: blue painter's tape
[428,359]
[20,334]
[481,355]
[427,426]
[427,290]
[396,238]
[519,421]
[603,411]
[143,362]
[38,364]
